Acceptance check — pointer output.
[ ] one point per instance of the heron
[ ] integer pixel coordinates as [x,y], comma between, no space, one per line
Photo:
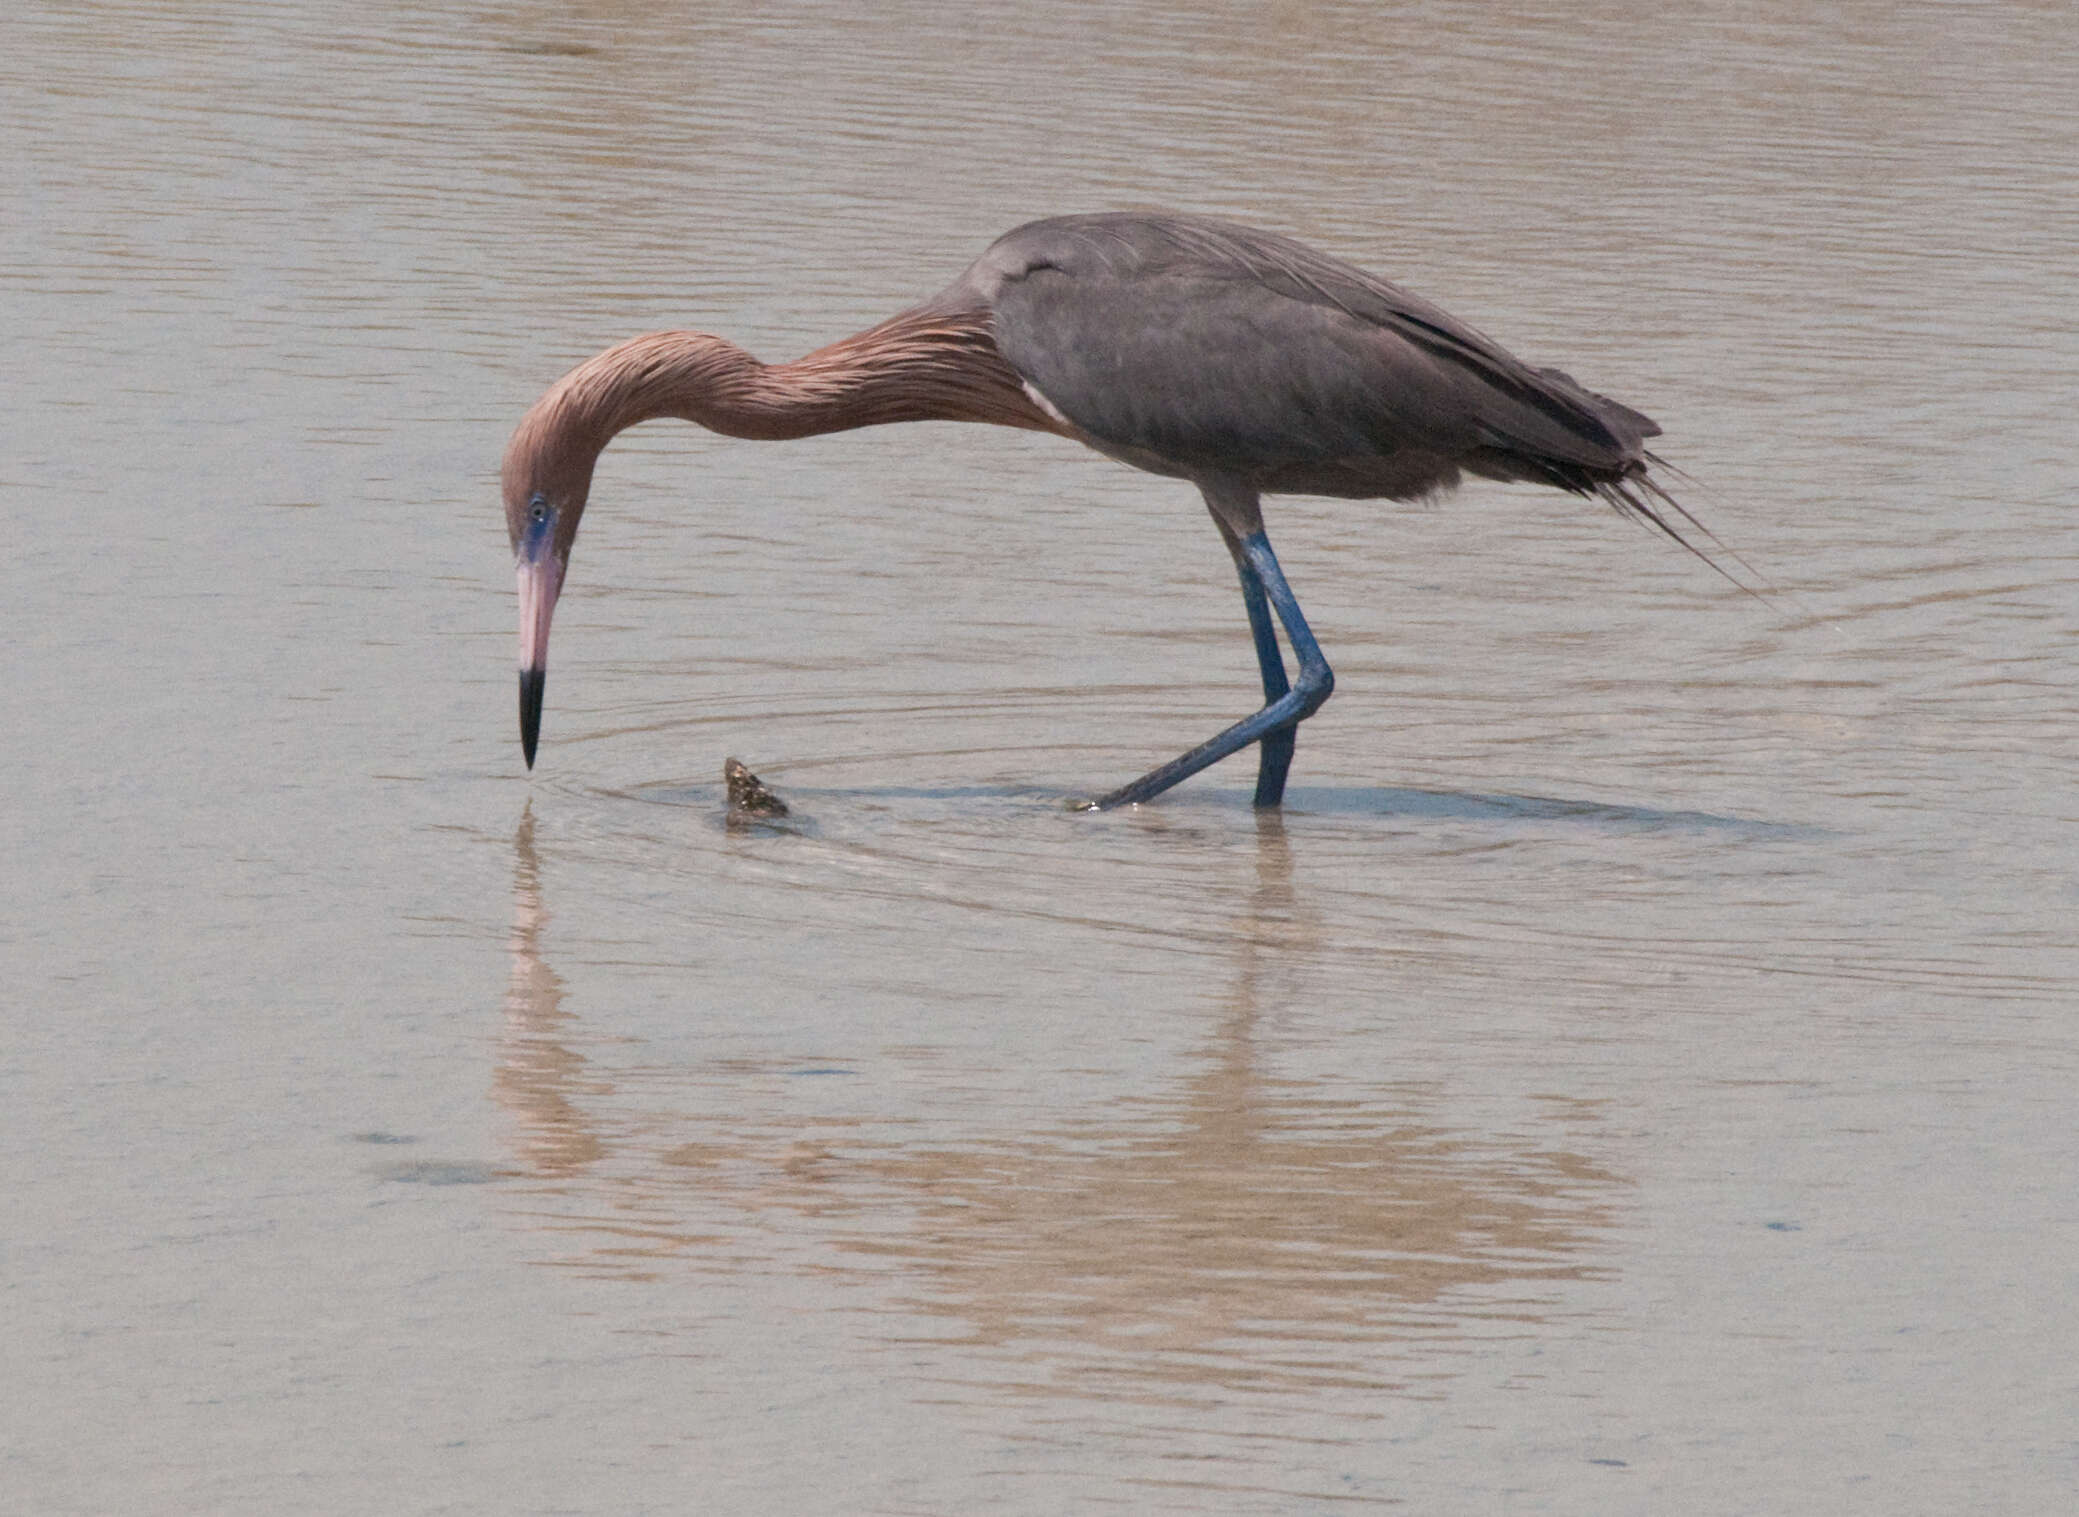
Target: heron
[1241,361]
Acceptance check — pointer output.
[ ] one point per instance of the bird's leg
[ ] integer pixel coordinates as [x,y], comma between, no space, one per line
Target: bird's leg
[1263,590]
[1274,750]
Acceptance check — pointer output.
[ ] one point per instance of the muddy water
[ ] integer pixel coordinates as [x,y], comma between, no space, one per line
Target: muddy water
[1634,1073]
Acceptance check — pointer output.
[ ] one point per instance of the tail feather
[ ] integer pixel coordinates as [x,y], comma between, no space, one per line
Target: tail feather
[1638,496]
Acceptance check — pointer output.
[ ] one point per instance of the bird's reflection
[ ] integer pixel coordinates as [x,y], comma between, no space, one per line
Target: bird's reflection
[1242,1228]
[539,1077]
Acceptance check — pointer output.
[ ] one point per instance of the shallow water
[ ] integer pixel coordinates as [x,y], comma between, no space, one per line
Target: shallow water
[1634,1073]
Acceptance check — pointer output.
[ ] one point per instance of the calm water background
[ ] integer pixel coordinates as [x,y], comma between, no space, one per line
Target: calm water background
[1635,1074]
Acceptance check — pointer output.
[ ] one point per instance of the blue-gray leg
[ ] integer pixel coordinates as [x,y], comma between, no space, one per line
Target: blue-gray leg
[1263,591]
[1274,749]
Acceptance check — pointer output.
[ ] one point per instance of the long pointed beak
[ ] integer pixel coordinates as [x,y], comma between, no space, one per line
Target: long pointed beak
[541,581]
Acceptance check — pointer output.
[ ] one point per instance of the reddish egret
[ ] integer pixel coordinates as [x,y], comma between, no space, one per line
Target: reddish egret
[1243,362]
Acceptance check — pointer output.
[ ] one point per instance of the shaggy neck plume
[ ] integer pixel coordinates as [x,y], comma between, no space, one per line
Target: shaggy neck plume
[919,366]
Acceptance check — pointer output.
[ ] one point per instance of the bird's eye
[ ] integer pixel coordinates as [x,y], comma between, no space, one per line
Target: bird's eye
[538,509]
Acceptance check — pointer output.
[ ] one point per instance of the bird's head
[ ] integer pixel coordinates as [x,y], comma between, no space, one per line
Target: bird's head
[547,475]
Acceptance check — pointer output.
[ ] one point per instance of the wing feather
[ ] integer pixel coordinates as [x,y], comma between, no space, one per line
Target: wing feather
[1203,348]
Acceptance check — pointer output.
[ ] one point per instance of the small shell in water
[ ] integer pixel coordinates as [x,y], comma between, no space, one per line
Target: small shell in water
[749,800]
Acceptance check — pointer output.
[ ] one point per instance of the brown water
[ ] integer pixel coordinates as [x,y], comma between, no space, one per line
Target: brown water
[1635,1074]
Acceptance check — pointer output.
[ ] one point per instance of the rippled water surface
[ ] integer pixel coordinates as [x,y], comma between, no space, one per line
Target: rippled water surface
[1634,1073]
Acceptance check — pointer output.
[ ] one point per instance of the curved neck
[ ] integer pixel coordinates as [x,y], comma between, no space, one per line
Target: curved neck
[919,366]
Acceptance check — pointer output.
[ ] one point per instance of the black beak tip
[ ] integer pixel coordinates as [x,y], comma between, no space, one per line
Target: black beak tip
[531,682]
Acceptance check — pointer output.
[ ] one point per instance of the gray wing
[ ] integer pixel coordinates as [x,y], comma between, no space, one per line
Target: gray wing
[1197,348]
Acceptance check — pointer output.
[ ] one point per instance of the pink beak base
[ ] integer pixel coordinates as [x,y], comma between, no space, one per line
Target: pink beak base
[540,581]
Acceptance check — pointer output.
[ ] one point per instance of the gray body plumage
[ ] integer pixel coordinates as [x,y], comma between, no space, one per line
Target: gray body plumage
[1219,353]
